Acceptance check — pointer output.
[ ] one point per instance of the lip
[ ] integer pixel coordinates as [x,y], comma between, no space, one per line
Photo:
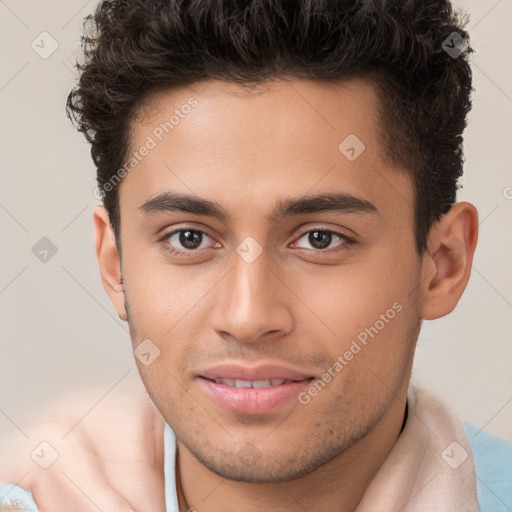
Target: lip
[252,401]
[262,372]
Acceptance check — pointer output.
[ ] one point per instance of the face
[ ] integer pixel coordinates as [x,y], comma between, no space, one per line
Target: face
[293,259]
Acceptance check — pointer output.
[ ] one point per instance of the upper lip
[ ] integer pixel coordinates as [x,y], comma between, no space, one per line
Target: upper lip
[240,372]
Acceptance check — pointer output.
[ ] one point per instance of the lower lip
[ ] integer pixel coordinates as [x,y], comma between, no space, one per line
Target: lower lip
[252,400]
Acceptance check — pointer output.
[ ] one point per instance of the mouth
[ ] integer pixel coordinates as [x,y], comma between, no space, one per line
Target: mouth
[255,384]
[252,391]
[259,374]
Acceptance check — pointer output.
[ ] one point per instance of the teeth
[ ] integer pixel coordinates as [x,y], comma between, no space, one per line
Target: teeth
[243,383]
[237,383]
[228,382]
[261,383]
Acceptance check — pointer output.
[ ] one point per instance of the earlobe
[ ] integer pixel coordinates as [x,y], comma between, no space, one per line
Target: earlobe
[108,260]
[446,266]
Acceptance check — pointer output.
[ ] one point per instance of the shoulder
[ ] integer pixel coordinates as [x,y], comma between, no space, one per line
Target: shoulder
[493,468]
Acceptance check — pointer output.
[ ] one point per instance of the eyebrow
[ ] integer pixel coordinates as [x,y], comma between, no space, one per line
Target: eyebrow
[329,202]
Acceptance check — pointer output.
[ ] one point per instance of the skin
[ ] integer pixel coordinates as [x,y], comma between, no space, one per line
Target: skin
[295,305]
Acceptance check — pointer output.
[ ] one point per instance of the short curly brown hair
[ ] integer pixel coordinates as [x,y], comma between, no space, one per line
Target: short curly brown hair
[410,49]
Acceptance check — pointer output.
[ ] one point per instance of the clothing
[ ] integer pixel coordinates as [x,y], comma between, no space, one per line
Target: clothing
[493,462]
[425,471]
[12,495]
[438,464]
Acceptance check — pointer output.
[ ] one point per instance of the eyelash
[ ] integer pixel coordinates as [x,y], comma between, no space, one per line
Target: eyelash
[346,244]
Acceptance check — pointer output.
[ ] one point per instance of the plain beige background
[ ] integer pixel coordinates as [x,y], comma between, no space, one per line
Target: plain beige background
[58,328]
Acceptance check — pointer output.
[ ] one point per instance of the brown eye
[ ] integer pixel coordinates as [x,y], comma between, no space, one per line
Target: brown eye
[188,239]
[322,239]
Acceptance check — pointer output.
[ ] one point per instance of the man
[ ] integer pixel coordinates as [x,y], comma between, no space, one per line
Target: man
[279,215]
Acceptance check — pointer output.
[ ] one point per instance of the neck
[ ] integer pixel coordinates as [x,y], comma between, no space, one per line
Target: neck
[336,486]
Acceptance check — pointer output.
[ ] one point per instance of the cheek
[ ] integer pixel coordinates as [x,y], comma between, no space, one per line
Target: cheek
[160,294]
[349,300]
[372,313]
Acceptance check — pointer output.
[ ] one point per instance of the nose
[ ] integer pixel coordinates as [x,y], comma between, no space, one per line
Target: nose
[251,302]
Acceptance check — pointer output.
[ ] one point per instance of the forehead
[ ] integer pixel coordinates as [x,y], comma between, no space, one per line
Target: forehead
[220,140]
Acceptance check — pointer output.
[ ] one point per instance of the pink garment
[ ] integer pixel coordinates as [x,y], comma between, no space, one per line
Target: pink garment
[430,468]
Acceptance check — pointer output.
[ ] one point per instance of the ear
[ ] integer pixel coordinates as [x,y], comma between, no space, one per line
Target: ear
[446,266]
[109,260]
